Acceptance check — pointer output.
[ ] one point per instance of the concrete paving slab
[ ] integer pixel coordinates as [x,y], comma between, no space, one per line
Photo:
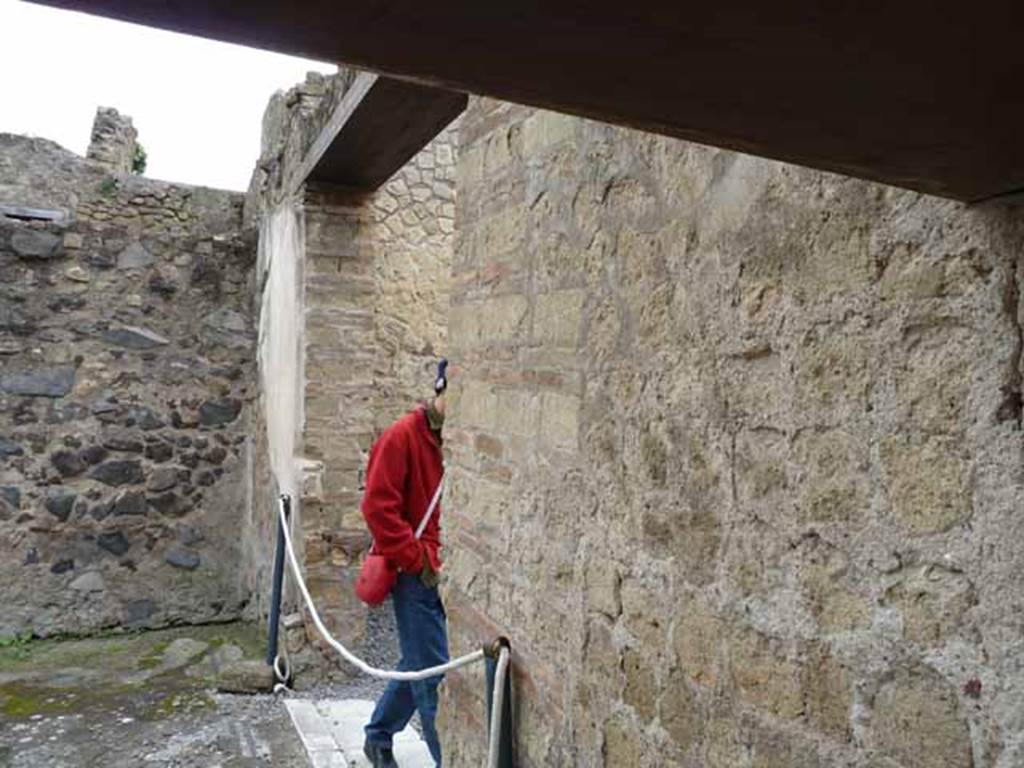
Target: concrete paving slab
[332,733]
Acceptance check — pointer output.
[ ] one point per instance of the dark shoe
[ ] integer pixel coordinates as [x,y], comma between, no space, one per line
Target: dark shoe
[379,757]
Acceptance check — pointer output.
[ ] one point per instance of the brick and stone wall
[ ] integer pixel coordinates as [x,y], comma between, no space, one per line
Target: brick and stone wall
[126,368]
[368,278]
[735,458]
[411,229]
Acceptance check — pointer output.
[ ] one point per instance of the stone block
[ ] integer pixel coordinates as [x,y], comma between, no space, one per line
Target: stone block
[476,405]
[764,676]
[135,338]
[118,472]
[558,318]
[11,495]
[51,381]
[90,581]
[559,421]
[503,233]
[10,448]
[36,244]
[623,743]
[114,542]
[641,691]
[916,720]
[932,379]
[130,503]
[834,366]
[603,586]
[545,129]
[680,714]
[727,745]
[836,607]
[228,329]
[762,485]
[501,319]
[697,638]
[926,483]
[830,475]
[181,558]
[932,602]
[771,747]
[60,501]
[255,676]
[135,256]
[828,692]
[219,412]
[911,274]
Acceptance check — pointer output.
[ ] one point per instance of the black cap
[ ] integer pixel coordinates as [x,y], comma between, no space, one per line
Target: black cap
[441,380]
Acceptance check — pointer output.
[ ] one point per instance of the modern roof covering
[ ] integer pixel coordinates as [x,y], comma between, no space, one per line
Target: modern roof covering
[917,94]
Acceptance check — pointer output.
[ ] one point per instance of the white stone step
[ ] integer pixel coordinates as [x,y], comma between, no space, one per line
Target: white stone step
[332,733]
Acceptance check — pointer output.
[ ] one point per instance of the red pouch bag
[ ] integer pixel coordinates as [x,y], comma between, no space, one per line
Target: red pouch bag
[377,575]
[376,578]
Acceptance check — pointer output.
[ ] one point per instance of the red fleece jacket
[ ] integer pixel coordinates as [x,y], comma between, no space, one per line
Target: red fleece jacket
[404,469]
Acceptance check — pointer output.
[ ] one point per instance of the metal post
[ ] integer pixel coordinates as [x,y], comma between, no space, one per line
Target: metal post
[505,758]
[275,595]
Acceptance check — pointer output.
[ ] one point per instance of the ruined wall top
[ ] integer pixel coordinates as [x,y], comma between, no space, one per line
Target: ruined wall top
[40,174]
[113,141]
[291,122]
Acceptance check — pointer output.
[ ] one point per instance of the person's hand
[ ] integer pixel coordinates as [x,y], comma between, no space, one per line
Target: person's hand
[428,575]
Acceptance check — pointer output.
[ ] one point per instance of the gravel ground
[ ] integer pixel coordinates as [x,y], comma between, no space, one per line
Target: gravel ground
[148,701]
[235,731]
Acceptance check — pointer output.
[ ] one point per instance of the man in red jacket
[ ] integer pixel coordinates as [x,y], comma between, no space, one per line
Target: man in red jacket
[403,474]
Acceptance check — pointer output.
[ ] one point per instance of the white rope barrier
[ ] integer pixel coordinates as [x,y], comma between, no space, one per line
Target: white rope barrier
[500,670]
[351,658]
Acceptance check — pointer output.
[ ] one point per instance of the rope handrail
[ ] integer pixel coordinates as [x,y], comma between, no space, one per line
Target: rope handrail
[351,658]
[500,648]
[497,702]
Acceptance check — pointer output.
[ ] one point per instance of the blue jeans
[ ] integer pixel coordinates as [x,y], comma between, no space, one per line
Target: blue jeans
[423,640]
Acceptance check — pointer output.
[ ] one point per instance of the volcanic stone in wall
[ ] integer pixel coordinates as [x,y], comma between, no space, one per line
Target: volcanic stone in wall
[9,448]
[59,502]
[218,412]
[51,381]
[116,543]
[10,501]
[68,463]
[33,244]
[122,391]
[135,338]
[130,503]
[183,559]
[17,320]
[118,472]
[171,504]
[135,256]
[163,479]
[124,442]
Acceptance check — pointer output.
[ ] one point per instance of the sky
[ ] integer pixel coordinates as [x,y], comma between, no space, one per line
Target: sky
[197,104]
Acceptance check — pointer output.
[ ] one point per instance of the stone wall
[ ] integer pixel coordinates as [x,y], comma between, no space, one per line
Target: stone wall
[126,366]
[113,142]
[38,173]
[736,458]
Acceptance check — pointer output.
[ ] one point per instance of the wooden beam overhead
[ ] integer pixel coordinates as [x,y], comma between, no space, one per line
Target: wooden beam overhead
[379,124]
[910,93]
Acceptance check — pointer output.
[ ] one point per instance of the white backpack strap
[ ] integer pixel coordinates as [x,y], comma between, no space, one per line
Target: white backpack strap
[430,510]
